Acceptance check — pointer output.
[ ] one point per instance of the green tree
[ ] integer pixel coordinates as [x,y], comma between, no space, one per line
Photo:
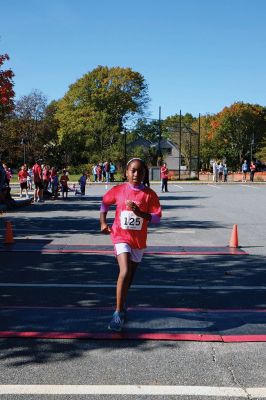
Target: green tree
[261,153]
[93,111]
[29,121]
[147,129]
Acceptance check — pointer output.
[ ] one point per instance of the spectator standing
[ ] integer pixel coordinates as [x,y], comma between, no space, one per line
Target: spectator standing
[252,171]
[214,171]
[103,172]
[225,173]
[112,171]
[94,172]
[38,181]
[63,181]
[220,171]
[82,183]
[54,183]
[46,177]
[244,171]
[107,171]
[29,179]
[2,182]
[99,172]
[164,177]
[8,174]
[22,178]
[5,197]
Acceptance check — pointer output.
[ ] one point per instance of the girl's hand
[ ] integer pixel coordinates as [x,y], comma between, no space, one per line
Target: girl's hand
[105,229]
[136,210]
[133,207]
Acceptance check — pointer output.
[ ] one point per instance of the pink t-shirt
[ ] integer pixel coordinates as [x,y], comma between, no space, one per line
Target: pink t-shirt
[127,227]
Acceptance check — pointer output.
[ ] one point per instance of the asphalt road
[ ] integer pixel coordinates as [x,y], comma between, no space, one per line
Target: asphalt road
[193,215]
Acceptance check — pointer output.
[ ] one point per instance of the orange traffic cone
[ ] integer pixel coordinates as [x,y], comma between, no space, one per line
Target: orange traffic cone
[9,239]
[234,237]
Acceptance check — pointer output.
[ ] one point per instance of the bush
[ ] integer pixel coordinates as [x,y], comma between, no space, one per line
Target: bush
[78,169]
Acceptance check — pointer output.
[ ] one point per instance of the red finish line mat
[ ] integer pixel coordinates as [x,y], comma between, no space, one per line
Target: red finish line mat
[44,246]
[242,325]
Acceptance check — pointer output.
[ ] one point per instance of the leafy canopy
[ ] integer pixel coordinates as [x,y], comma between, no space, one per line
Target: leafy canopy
[92,112]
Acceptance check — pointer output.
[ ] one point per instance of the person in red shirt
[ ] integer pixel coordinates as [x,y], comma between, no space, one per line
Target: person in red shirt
[46,177]
[136,206]
[252,169]
[63,181]
[38,181]
[22,178]
[164,177]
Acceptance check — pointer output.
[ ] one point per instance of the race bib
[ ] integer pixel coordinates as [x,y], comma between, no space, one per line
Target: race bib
[129,220]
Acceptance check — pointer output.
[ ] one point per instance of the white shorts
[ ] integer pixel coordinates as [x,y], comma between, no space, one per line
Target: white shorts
[135,254]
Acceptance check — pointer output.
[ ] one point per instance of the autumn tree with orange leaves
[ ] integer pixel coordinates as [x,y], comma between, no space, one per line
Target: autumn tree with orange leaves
[6,89]
[236,133]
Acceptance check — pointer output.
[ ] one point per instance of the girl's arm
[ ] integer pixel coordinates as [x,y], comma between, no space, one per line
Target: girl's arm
[103,224]
[104,227]
[137,211]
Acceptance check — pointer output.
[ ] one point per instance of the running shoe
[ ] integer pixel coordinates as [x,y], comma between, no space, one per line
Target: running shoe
[117,321]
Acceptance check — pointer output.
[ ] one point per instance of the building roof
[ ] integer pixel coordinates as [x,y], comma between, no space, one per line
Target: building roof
[164,144]
[140,142]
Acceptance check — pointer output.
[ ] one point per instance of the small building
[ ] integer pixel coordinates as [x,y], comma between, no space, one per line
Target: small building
[170,153]
[140,142]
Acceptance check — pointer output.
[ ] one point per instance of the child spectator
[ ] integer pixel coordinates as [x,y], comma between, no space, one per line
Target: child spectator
[22,178]
[46,177]
[64,186]
[29,179]
[54,183]
[82,183]
[164,177]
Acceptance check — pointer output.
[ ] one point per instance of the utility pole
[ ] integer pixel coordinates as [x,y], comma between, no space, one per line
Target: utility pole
[180,134]
[125,145]
[251,146]
[159,137]
[199,149]
[24,150]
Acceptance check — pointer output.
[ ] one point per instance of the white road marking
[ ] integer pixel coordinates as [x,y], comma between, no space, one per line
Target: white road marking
[95,285]
[214,186]
[47,230]
[250,186]
[166,230]
[181,187]
[139,390]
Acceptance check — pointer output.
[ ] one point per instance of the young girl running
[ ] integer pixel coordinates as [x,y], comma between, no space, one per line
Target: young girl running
[136,206]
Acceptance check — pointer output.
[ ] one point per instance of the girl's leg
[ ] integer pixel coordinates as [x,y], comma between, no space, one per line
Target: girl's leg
[127,269]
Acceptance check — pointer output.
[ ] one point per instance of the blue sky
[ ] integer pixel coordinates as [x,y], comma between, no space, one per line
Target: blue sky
[196,55]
